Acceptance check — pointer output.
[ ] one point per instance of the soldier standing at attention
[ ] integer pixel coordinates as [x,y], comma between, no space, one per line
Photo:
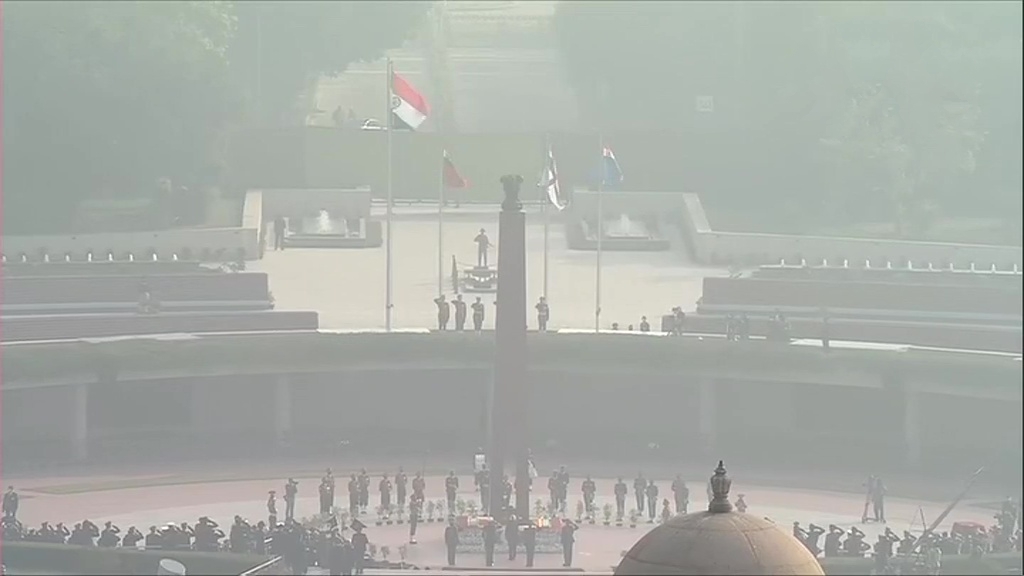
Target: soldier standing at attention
[482,245]
[451,488]
[645,326]
[682,494]
[353,496]
[589,490]
[652,500]
[460,313]
[271,508]
[364,490]
[490,539]
[400,486]
[418,485]
[415,510]
[478,315]
[385,492]
[512,535]
[280,226]
[639,490]
[11,503]
[620,498]
[451,541]
[543,313]
[443,312]
[530,543]
[291,490]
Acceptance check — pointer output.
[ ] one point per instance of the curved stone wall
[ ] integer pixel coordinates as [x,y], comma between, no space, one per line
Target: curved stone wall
[429,393]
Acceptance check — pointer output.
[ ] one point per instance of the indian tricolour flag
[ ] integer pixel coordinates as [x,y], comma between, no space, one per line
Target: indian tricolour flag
[409,109]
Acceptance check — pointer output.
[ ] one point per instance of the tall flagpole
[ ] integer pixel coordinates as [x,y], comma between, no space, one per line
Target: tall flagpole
[440,228]
[545,175]
[388,304]
[600,236]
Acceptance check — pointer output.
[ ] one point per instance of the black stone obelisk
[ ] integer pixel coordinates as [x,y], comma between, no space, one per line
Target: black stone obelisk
[510,429]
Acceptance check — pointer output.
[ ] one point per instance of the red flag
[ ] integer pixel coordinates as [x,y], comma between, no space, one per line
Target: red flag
[452,178]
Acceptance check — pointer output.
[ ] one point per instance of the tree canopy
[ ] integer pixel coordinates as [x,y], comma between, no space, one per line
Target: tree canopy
[902,96]
[282,46]
[102,99]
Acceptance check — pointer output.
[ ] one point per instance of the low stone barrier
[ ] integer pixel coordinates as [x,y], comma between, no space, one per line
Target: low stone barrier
[713,247]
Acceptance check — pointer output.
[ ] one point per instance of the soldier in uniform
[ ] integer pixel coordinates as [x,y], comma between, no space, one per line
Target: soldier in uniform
[512,535]
[359,545]
[478,314]
[353,496]
[326,496]
[681,493]
[419,485]
[814,533]
[490,539]
[482,245]
[799,533]
[483,484]
[530,543]
[11,503]
[553,483]
[620,498]
[589,491]
[563,488]
[364,490]
[451,541]
[568,538]
[639,490]
[385,492]
[543,313]
[652,500]
[443,312]
[645,326]
[291,490]
[271,508]
[832,544]
[460,313]
[878,500]
[401,483]
[451,488]
[280,226]
[415,510]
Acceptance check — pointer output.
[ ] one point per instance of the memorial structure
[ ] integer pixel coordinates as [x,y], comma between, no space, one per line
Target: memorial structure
[510,399]
[719,541]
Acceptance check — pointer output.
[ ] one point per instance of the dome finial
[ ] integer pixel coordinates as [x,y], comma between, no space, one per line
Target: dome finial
[720,484]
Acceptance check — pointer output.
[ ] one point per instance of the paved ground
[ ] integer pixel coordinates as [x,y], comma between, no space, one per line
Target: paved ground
[598,547]
[347,286]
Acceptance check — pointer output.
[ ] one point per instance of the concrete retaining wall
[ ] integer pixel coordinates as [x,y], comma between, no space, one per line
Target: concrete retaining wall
[203,244]
[713,247]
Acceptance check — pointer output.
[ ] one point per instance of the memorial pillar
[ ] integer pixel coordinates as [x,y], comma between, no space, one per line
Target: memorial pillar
[80,422]
[708,414]
[282,407]
[510,429]
[912,428]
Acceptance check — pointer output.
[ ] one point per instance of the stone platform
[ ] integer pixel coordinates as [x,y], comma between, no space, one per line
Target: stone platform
[142,501]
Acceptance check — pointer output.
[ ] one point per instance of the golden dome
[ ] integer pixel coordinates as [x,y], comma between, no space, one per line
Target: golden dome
[719,541]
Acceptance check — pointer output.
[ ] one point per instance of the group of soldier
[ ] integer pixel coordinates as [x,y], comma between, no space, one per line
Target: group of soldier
[457,308]
[927,549]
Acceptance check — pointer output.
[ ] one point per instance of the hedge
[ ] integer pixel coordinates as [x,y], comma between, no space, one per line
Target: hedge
[991,564]
[298,352]
[38,557]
